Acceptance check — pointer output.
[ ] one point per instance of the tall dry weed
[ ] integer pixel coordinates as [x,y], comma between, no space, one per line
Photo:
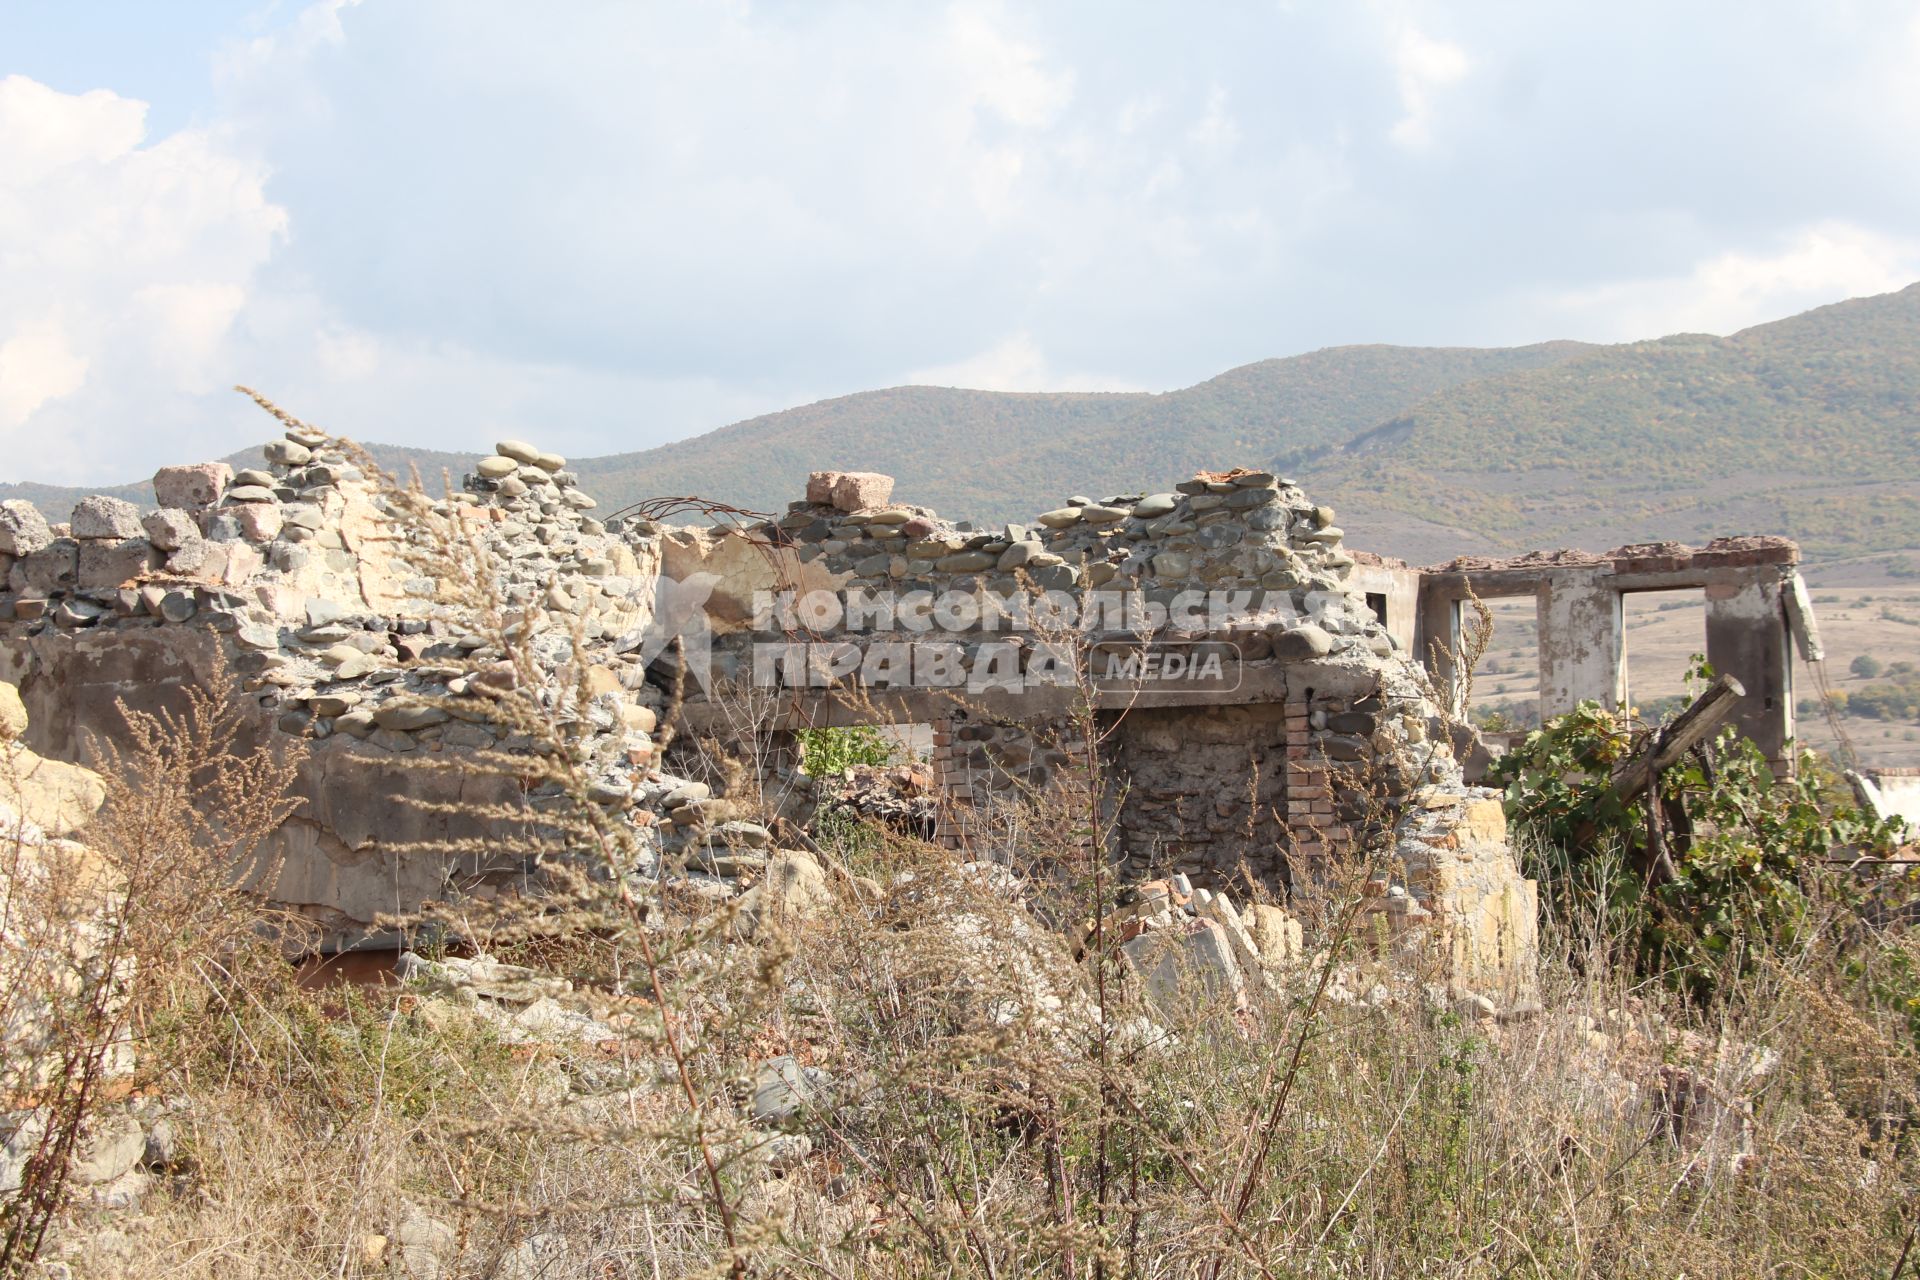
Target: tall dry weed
[994,1092]
[114,941]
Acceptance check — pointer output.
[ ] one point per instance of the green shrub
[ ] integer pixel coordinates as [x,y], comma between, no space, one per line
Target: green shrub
[830,751]
[1737,888]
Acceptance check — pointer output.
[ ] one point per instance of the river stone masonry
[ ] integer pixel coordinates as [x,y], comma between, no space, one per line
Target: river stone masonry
[296,575]
[303,578]
[1245,531]
[1322,743]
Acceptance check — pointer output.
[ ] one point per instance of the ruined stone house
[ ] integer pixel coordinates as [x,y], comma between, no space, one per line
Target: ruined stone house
[1261,710]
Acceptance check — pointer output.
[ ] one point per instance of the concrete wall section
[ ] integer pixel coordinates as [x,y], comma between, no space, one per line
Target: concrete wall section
[1581,654]
[1748,584]
[1747,638]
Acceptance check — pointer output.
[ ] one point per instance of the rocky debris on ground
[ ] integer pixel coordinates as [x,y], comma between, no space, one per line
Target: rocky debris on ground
[106,1164]
[61,897]
[1003,966]
[1187,941]
[127,1146]
[782,1088]
[794,887]
[900,797]
[525,1005]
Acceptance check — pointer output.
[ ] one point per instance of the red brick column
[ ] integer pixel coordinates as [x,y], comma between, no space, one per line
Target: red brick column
[952,788]
[1309,794]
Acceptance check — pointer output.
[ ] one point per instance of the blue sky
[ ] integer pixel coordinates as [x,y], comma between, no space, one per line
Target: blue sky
[158,52]
[604,225]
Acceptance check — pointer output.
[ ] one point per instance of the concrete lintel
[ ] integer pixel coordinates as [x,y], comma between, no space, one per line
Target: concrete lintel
[784,709]
[1641,567]
[1489,584]
[1508,583]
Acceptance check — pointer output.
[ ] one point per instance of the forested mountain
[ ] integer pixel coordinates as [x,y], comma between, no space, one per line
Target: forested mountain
[1808,426]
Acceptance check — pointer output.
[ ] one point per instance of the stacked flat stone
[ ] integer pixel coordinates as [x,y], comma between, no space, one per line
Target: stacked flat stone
[386,682]
[1177,934]
[553,554]
[212,529]
[240,554]
[1248,532]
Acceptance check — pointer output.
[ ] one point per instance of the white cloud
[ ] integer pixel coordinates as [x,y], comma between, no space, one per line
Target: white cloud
[351,355]
[1423,66]
[36,365]
[1015,363]
[1730,291]
[1217,132]
[606,226]
[126,266]
[1003,73]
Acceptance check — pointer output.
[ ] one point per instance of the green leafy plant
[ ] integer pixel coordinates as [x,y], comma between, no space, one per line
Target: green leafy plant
[1715,872]
[829,751]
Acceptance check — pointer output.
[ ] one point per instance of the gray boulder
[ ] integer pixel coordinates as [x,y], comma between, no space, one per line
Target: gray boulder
[170,528]
[104,517]
[23,530]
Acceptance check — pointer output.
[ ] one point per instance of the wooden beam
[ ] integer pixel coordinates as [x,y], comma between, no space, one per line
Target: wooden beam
[1687,731]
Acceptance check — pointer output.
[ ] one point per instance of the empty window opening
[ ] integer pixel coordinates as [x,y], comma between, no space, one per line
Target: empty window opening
[1662,632]
[1506,684]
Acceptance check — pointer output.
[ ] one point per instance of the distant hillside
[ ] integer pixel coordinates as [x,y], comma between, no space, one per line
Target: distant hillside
[1005,455]
[56,501]
[1808,426]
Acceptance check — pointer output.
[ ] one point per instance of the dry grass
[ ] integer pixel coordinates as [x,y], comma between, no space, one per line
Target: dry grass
[108,942]
[999,1106]
[960,1138]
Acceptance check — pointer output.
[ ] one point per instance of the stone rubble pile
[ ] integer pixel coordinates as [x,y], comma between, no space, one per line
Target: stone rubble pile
[522,1005]
[1180,937]
[899,796]
[319,592]
[60,896]
[1248,532]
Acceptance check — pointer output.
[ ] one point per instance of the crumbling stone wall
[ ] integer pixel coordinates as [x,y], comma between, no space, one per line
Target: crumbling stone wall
[1320,742]
[1202,794]
[1250,533]
[295,577]
[1317,743]
[988,772]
